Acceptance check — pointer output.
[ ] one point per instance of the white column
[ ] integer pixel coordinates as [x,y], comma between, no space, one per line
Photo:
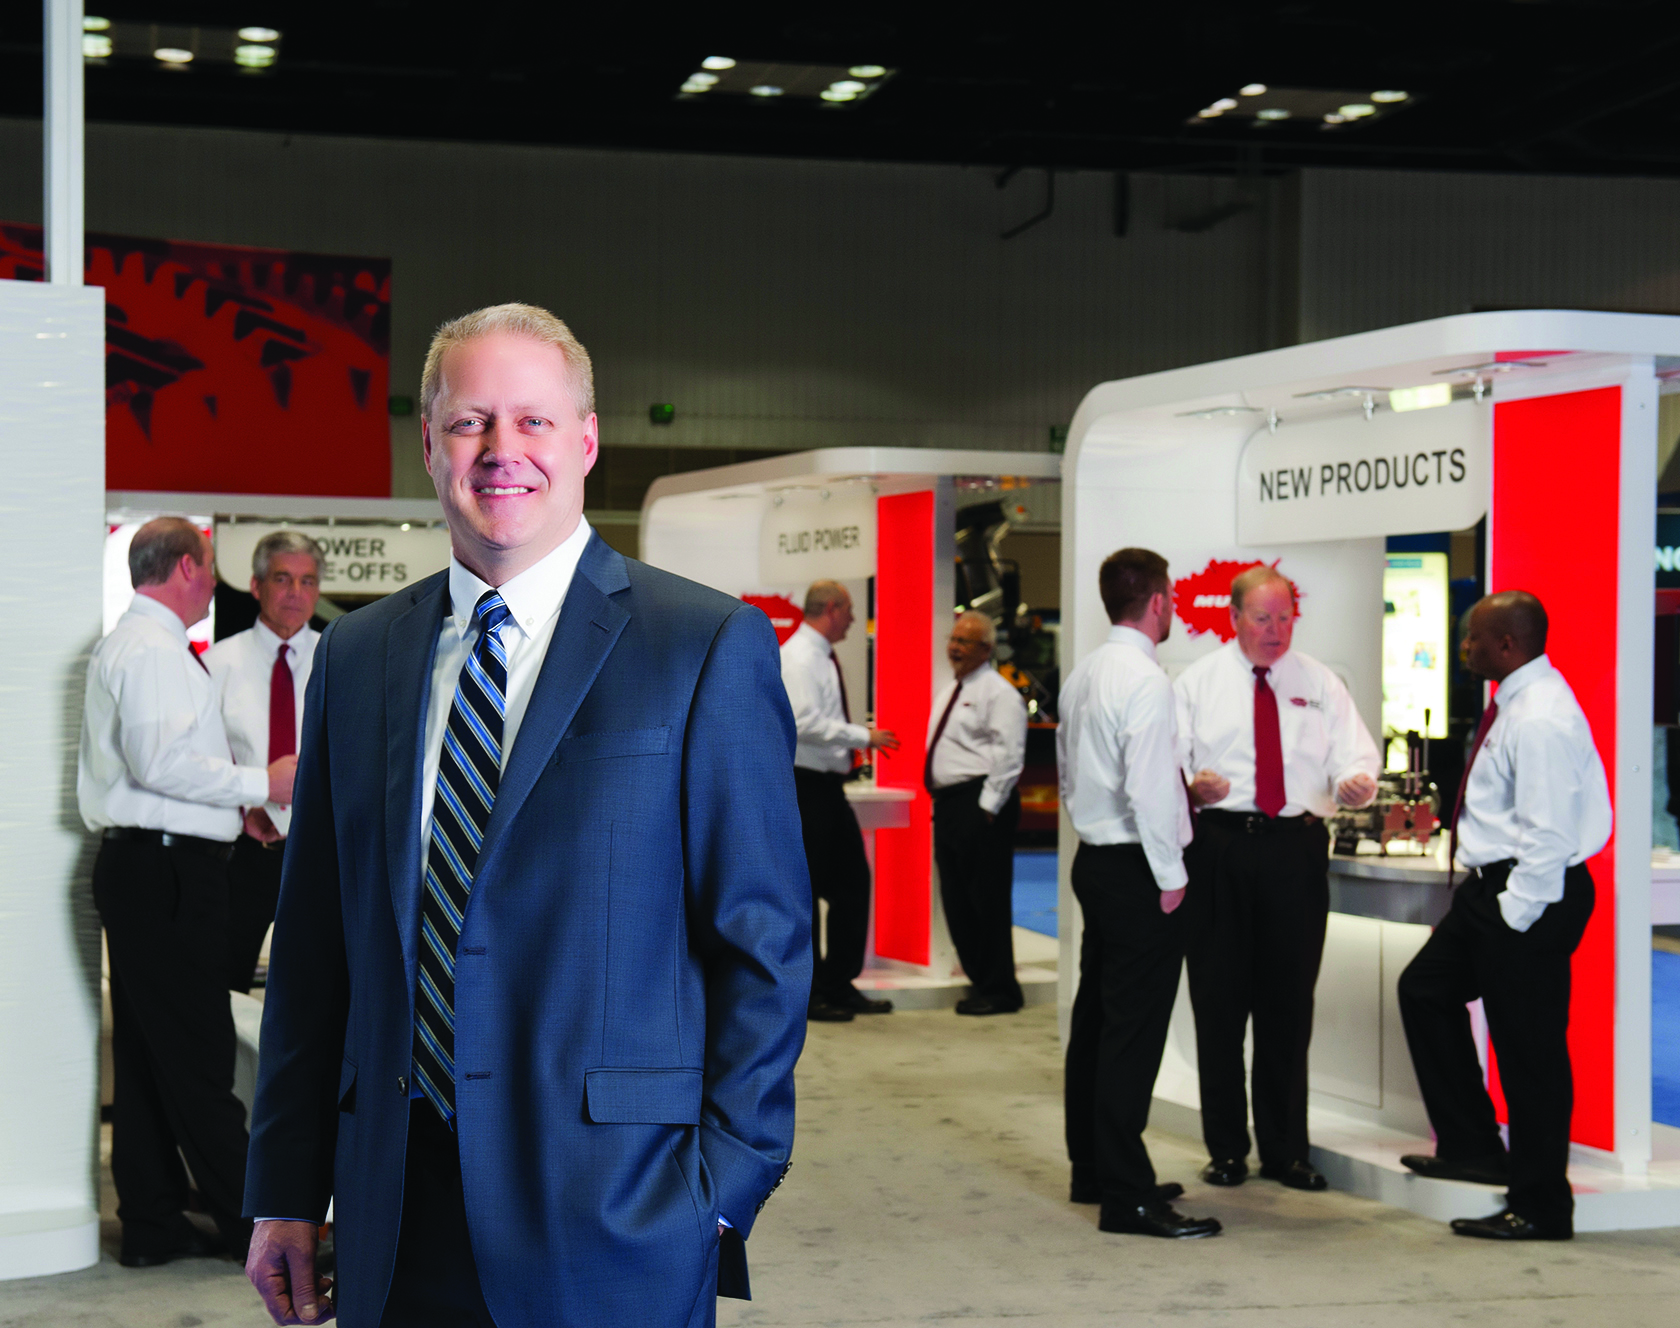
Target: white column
[62,130]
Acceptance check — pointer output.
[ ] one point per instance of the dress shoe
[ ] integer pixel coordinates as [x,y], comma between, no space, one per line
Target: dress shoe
[1155,1219]
[854,1000]
[821,1012]
[1506,1225]
[195,1245]
[1487,1171]
[1296,1175]
[1089,1192]
[1225,1171]
[980,1005]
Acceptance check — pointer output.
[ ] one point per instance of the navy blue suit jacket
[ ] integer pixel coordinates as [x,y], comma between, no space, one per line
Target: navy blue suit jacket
[632,974]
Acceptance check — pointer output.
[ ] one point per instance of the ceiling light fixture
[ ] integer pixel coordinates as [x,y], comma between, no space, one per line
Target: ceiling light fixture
[867,71]
[717,62]
[1225,104]
[95,46]
[172,55]
[1253,89]
[694,85]
[253,57]
[1210,113]
[94,24]
[766,90]
[1388,96]
[850,85]
[835,94]
[1333,118]
[1357,110]
[1272,113]
[258,35]
[703,79]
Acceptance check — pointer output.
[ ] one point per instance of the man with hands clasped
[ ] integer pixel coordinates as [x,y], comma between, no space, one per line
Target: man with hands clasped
[1275,743]
[1117,750]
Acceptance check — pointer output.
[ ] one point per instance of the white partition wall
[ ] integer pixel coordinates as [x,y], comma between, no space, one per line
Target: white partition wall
[52,504]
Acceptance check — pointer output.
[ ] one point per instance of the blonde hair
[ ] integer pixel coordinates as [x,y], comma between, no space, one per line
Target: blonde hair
[517,320]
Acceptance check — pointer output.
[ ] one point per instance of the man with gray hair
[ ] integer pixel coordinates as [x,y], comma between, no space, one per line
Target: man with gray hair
[977,744]
[156,783]
[260,676]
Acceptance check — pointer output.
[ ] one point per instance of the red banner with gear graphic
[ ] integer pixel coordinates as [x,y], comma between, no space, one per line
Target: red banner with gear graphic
[1202,600]
[236,370]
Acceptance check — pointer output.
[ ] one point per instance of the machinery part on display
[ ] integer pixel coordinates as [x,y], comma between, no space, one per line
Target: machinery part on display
[1026,654]
[1406,808]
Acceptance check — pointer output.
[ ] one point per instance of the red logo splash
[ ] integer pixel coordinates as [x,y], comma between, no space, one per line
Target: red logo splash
[1203,599]
[783,613]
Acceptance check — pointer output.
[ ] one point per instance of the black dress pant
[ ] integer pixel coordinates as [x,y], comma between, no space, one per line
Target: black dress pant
[172,1041]
[839,870]
[976,857]
[1128,979]
[435,1281]
[253,891]
[1522,978]
[1255,914]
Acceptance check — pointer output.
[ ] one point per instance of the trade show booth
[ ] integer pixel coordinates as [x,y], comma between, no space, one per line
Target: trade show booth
[883,521]
[1534,435]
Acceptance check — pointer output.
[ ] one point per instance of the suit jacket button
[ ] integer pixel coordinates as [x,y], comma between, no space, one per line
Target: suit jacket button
[402,1083]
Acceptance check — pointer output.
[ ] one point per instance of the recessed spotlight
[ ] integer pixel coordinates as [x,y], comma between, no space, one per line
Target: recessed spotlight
[94,24]
[1210,113]
[695,85]
[1356,110]
[850,85]
[1272,113]
[834,94]
[95,46]
[1391,95]
[1333,118]
[766,90]
[172,55]
[717,62]
[1225,104]
[258,35]
[867,71]
[1253,89]
[704,80]
[253,57]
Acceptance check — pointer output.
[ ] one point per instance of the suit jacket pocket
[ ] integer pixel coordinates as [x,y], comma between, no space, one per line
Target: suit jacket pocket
[614,742]
[644,1097]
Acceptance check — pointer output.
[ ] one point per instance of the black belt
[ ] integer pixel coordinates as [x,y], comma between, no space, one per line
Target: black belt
[1506,865]
[967,786]
[1257,823]
[276,846]
[213,848]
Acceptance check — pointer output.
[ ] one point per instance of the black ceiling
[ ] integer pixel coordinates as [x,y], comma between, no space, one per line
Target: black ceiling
[1573,86]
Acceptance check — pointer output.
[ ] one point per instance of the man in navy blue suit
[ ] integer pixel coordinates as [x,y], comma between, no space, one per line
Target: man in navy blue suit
[543,947]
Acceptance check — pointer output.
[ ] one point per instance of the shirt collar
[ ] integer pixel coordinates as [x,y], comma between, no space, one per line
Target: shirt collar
[147,607]
[813,636]
[1120,634]
[1518,678]
[270,641]
[532,597]
[973,674]
[1249,665]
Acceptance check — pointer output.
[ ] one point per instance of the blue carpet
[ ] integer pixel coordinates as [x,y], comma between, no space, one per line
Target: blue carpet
[1035,890]
[1665,1035]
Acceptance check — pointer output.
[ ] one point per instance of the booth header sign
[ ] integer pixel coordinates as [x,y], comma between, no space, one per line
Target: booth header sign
[355,559]
[1351,478]
[809,538]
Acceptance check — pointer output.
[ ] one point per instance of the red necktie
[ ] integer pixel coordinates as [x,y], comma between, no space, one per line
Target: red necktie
[938,733]
[1269,796]
[282,710]
[1488,717]
[840,677]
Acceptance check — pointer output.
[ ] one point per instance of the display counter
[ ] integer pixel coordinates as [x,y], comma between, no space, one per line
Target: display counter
[878,808]
[1393,887]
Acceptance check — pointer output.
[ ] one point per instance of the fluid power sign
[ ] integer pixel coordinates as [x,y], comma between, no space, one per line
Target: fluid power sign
[807,537]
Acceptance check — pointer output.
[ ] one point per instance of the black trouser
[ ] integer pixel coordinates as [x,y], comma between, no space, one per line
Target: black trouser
[1257,906]
[435,1281]
[172,1041]
[840,874]
[1522,978]
[1128,980]
[253,891]
[976,857]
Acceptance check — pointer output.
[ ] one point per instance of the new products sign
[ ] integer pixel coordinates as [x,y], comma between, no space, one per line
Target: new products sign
[355,559]
[807,537]
[1349,478]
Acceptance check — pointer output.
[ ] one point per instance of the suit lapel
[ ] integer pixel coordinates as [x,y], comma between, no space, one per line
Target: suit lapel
[410,648]
[591,620]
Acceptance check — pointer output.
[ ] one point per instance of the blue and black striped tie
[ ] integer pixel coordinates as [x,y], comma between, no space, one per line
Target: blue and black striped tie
[469,770]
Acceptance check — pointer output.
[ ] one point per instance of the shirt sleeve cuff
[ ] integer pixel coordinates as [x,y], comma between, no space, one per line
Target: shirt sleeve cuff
[858,736]
[1520,914]
[254,781]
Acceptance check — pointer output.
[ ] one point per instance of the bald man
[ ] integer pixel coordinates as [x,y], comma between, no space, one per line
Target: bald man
[1533,806]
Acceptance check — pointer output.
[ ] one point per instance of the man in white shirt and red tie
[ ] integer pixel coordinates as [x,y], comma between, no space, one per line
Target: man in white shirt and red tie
[977,744]
[1533,806]
[156,781]
[1117,752]
[261,674]
[822,762]
[1275,743]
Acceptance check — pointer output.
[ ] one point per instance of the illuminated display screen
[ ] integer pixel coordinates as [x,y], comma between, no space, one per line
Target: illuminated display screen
[1416,641]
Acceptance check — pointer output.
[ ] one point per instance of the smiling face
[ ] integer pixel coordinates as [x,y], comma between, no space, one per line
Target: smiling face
[1265,624]
[507,452]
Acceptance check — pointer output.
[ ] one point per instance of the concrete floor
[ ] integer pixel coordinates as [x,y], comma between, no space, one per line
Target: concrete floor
[929,1185]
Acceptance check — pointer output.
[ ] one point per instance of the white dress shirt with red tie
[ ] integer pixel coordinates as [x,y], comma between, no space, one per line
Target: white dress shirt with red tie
[826,737]
[985,736]
[244,666]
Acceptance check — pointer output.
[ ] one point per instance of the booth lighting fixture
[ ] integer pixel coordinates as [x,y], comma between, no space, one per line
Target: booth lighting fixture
[263,36]
[1426,397]
[95,46]
[1336,393]
[172,55]
[1253,89]
[867,71]
[1214,412]
[1494,366]
[1272,113]
[1389,96]
[253,57]
[92,23]
[718,62]
[766,90]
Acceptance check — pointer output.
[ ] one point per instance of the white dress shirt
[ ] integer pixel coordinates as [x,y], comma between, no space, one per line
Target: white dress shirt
[1537,792]
[154,754]
[242,667]
[1117,751]
[1324,739]
[534,598]
[826,738]
[985,738]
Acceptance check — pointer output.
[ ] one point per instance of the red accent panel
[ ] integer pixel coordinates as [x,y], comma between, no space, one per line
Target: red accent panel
[903,697]
[784,615]
[1568,566]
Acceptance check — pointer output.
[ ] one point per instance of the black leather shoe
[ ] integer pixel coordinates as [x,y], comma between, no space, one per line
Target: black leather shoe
[1506,1225]
[1297,1176]
[821,1012]
[1488,1171]
[1225,1171]
[855,1001]
[198,1245]
[1088,1192]
[980,1005]
[1155,1219]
